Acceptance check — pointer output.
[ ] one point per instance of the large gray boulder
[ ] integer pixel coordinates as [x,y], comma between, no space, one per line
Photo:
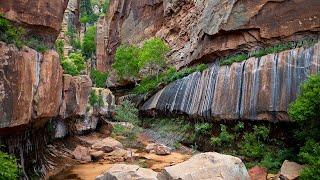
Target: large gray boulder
[207,166]
[128,172]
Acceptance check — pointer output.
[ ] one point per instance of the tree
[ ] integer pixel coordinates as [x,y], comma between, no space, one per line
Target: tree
[126,61]
[74,64]
[152,54]
[306,112]
[8,167]
[89,42]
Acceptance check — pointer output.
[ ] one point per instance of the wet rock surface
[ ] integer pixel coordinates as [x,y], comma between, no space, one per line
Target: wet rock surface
[256,89]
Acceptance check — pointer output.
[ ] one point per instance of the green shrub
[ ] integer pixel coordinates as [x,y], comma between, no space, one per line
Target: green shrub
[11,34]
[310,155]
[224,138]
[127,112]
[235,58]
[86,12]
[126,61]
[37,43]
[239,127]
[89,42]
[74,64]
[99,78]
[96,100]
[8,167]
[203,128]
[59,46]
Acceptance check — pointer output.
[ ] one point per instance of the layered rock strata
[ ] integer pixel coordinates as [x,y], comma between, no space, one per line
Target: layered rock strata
[201,30]
[256,89]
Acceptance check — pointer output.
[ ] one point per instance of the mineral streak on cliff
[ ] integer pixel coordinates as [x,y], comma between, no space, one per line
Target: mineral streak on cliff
[257,89]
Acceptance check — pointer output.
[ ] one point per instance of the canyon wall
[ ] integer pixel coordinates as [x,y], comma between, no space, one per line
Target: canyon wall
[256,89]
[204,29]
[39,18]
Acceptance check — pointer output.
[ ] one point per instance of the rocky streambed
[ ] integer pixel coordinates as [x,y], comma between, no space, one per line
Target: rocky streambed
[96,153]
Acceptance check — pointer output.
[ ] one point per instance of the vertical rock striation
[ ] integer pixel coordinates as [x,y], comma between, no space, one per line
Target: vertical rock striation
[256,89]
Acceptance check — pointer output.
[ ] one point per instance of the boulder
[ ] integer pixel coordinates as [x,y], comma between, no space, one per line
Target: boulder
[76,92]
[258,173]
[290,170]
[96,154]
[107,145]
[210,165]
[126,172]
[158,149]
[82,154]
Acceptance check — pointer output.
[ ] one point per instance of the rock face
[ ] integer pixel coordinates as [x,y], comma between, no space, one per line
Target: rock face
[30,85]
[38,17]
[209,165]
[257,89]
[107,145]
[124,171]
[76,92]
[203,29]
[82,154]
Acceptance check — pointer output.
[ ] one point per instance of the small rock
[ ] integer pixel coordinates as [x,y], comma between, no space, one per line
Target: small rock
[258,173]
[158,149]
[82,154]
[97,154]
[107,145]
[290,170]
[124,171]
[272,176]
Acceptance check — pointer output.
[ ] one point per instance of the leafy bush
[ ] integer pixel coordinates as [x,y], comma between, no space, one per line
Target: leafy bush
[74,64]
[59,46]
[203,128]
[253,144]
[224,138]
[37,43]
[8,167]
[310,155]
[99,78]
[89,42]
[126,61]
[127,112]
[239,127]
[96,100]
[86,12]
[235,58]
[9,33]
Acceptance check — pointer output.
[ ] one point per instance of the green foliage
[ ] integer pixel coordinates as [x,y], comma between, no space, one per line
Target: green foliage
[8,167]
[224,138]
[305,111]
[126,61]
[129,59]
[37,43]
[89,42]
[203,128]
[96,100]
[235,58]
[86,12]
[127,112]
[151,83]
[268,50]
[239,127]
[153,52]
[253,144]
[9,33]
[59,45]
[105,6]
[310,155]
[99,78]
[74,64]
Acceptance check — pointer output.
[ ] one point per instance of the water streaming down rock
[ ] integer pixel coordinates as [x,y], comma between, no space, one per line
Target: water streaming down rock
[257,89]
